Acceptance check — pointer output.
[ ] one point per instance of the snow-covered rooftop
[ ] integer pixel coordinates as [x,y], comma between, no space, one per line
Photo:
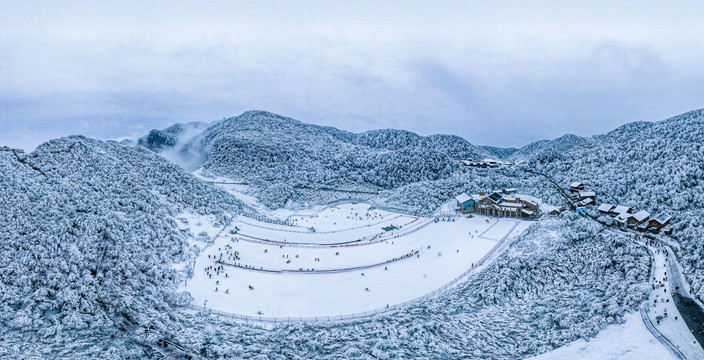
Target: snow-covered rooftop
[662,218]
[623,217]
[641,215]
[548,208]
[620,209]
[463,197]
[586,201]
[605,207]
[587,193]
[576,184]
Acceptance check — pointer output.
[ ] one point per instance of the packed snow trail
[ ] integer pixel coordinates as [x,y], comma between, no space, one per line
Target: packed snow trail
[406,264]
[660,302]
[323,271]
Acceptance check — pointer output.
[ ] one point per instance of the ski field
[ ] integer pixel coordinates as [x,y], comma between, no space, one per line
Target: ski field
[349,264]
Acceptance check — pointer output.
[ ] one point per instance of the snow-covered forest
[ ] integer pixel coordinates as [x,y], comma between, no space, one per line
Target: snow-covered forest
[648,166]
[91,243]
[88,243]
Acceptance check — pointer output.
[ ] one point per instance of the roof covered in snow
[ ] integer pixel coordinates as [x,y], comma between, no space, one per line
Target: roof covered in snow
[576,184]
[641,215]
[587,193]
[620,209]
[586,201]
[662,218]
[605,207]
[463,197]
[623,217]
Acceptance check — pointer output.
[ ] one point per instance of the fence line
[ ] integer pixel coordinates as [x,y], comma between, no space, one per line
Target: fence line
[663,340]
[363,314]
[358,242]
[326,232]
[407,255]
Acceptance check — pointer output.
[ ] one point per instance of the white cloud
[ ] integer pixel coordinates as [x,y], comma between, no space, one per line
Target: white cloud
[504,74]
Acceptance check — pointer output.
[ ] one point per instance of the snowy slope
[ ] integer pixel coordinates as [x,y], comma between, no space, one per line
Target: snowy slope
[653,166]
[635,342]
[276,154]
[542,294]
[88,243]
[93,247]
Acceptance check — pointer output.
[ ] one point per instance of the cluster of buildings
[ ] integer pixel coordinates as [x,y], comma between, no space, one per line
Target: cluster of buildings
[640,220]
[584,197]
[622,215]
[502,203]
[486,163]
[506,203]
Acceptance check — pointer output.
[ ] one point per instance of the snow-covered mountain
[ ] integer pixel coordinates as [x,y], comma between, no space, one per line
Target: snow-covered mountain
[89,241]
[545,147]
[262,147]
[93,249]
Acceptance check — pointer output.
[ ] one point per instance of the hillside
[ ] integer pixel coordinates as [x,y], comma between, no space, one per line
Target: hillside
[94,248]
[89,244]
[654,166]
[276,154]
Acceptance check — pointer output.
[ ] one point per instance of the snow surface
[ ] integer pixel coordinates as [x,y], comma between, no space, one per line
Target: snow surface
[445,250]
[628,341]
[675,330]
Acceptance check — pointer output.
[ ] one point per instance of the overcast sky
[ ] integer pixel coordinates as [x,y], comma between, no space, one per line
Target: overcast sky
[504,73]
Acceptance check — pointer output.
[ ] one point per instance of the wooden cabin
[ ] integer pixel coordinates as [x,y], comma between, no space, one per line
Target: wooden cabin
[658,222]
[465,203]
[620,209]
[605,208]
[623,219]
[576,186]
[638,218]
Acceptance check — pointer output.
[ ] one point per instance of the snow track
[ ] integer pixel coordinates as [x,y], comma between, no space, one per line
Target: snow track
[380,271]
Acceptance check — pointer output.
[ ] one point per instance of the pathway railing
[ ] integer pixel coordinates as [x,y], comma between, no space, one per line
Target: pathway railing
[358,242]
[653,330]
[407,255]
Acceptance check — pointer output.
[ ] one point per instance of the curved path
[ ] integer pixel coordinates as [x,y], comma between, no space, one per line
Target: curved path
[356,242]
[326,232]
[322,271]
[690,310]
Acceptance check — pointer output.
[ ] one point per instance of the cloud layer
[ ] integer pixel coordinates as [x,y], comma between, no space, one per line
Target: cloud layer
[502,75]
